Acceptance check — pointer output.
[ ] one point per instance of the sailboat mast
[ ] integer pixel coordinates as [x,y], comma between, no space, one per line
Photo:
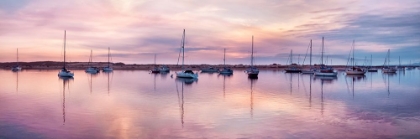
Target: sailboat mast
[291,56]
[183,43]
[310,55]
[322,52]
[371,60]
[155,59]
[17,56]
[389,53]
[252,51]
[224,57]
[353,54]
[108,56]
[399,61]
[64,49]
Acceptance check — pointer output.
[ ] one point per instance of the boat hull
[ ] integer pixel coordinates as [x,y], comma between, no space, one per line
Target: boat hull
[210,70]
[65,74]
[326,74]
[154,71]
[389,70]
[16,68]
[355,72]
[92,70]
[186,75]
[372,70]
[107,69]
[293,70]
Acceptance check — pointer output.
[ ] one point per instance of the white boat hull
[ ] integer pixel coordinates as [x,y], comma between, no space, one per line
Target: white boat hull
[186,75]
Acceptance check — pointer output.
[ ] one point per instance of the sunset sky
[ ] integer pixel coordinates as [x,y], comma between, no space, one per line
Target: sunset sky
[135,30]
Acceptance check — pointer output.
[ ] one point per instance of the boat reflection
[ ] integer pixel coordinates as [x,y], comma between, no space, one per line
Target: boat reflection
[17,81]
[66,82]
[187,81]
[356,77]
[252,81]
[325,79]
[108,73]
[353,78]
[90,77]
[181,101]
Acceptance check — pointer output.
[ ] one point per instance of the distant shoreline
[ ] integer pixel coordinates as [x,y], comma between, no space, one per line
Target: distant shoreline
[122,66]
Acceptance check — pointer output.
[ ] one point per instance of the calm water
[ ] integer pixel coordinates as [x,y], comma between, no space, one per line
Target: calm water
[136,104]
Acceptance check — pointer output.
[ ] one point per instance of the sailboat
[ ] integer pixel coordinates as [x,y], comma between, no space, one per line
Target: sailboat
[371,68]
[252,71]
[64,72]
[155,69]
[354,70]
[410,67]
[225,70]
[387,68]
[311,69]
[17,67]
[91,69]
[325,70]
[108,68]
[185,73]
[293,67]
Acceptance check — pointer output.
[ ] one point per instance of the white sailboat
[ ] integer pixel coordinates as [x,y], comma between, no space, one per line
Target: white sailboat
[387,68]
[108,68]
[311,70]
[225,70]
[252,71]
[185,73]
[91,69]
[354,70]
[325,70]
[64,72]
[17,67]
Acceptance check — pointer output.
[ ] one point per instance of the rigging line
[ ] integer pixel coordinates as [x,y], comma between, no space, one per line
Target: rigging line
[348,59]
[307,49]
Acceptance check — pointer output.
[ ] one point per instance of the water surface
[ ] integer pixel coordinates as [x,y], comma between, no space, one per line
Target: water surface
[137,104]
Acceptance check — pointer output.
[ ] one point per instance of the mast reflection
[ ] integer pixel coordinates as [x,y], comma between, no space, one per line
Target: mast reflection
[253,81]
[66,81]
[181,101]
[354,78]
